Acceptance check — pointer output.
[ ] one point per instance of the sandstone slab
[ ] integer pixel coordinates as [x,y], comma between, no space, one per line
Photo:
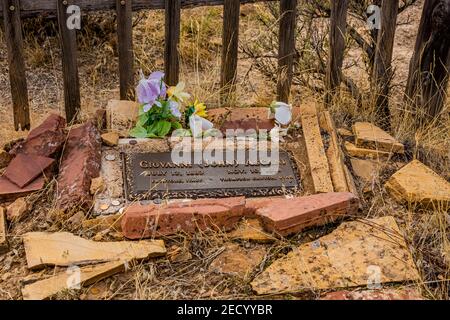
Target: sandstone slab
[355,151]
[10,191]
[25,168]
[152,220]
[80,164]
[357,253]
[99,224]
[381,294]
[45,140]
[3,231]
[65,249]
[370,136]
[417,183]
[237,261]
[289,216]
[121,116]
[240,127]
[45,289]
[220,115]
[110,139]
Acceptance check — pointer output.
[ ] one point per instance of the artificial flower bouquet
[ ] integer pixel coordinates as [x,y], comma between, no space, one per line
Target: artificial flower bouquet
[164,109]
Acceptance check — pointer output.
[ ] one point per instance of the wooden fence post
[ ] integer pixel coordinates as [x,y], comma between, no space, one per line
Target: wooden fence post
[230,42]
[430,63]
[172,41]
[68,38]
[125,44]
[286,49]
[382,71]
[17,76]
[338,26]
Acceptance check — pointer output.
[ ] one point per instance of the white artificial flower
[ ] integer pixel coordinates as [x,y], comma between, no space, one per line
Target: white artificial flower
[282,112]
[198,125]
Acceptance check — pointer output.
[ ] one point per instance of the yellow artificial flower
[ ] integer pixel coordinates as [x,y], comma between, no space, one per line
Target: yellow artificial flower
[178,93]
[200,109]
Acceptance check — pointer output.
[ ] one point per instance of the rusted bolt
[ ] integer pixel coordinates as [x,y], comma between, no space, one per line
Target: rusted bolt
[65,3]
[12,8]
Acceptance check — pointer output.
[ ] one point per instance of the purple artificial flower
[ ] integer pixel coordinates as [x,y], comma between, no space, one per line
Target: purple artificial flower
[149,90]
[174,108]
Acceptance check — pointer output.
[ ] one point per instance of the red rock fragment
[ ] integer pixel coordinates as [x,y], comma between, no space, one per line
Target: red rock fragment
[10,192]
[80,164]
[383,294]
[288,216]
[45,140]
[25,168]
[152,220]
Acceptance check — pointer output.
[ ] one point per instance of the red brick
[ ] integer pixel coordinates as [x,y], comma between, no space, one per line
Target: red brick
[383,294]
[25,168]
[80,164]
[9,191]
[45,140]
[152,220]
[288,216]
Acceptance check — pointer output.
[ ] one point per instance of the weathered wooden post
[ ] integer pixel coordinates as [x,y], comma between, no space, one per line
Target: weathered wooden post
[172,41]
[286,49]
[382,71]
[338,26]
[430,64]
[69,54]
[125,44]
[230,42]
[17,76]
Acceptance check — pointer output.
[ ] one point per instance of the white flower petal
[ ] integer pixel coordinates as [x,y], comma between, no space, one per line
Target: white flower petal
[283,114]
[206,125]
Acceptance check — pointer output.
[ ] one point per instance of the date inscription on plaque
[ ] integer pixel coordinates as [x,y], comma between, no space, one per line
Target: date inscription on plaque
[150,176]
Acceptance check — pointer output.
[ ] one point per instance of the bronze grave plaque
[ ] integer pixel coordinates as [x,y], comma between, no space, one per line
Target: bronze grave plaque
[150,176]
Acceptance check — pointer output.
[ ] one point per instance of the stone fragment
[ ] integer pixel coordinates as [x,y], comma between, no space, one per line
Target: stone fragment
[177,254]
[417,183]
[111,222]
[97,185]
[220,115]
[9,191]
[240,127]
[354,151]
[45,289]
[370,136]
[251,230]
[76,220]
[110,139]
[80,164]
[3,230]
[380,294]
[289,216]
[25,168]
[65,249]
[121,116]
[344,133]
[319,170]
[5,158]
[46,140]
[236,261]
[153,220]
[17,210]
[367,170]
[357,253]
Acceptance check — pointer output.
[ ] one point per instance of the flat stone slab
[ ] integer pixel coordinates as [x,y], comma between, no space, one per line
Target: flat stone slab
[381,294]
[355,151]
[237,261]
[417,183]
[370,136]
[357,253]
[25,168]
[9,191]
[289,216]
[146,221]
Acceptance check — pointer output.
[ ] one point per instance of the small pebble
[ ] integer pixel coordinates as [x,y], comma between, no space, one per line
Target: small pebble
[110,157]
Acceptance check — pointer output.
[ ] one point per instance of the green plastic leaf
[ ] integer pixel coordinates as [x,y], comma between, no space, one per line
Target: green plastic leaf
[138,132]
[176,126]
[164,128]
[142,120]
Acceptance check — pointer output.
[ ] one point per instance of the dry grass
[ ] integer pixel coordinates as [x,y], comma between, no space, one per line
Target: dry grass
[426,232]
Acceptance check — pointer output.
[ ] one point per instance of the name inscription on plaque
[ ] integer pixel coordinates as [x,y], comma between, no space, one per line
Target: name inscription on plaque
[150,176]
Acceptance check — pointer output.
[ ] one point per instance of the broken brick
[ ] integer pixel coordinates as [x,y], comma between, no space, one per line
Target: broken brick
[45,140]
[25,168]
[288,216]
[80,164]
[152,220]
